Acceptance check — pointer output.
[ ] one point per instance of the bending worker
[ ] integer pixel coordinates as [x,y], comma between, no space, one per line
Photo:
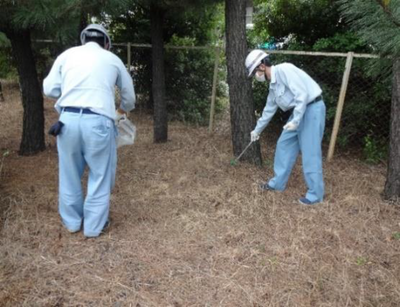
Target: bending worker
[291,88]
[83,80]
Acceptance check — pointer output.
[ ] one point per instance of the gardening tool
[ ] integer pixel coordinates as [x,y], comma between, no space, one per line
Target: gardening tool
[247,147]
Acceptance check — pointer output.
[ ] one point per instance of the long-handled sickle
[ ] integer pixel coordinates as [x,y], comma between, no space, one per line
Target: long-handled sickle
[247,147]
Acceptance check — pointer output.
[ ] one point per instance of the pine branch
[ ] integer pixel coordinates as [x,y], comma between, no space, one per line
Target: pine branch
[386,10]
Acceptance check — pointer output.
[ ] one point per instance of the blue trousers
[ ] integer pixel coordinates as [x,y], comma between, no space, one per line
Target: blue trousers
[307,139]
[86,140]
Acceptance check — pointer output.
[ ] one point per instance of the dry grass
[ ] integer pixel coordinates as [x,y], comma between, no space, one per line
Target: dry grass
[189,229]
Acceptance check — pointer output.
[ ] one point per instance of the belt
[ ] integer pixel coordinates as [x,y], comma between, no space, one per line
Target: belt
[79,110]
[316,99]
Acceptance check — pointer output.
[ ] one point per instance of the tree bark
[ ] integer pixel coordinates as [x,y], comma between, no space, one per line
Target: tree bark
[158,75]
[33,140]
[392,186]
[240,92]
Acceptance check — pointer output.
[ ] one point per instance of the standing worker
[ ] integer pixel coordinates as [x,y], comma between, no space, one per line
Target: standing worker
[291,88]
[83,80]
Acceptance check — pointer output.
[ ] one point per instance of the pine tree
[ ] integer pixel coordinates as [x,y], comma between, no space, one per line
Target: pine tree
[240,92]
[32,100]
[158,11]
[19,19]
[378,23]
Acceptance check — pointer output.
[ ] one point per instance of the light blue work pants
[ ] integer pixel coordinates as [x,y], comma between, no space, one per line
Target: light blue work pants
[86,139]
[307,139]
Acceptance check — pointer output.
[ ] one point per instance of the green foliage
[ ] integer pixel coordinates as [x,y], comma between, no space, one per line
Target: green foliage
[396,236]
[4,41]
[341,42]
[377,23]
[360,261]
[375,151]
[366,115]
[7,70]
[303,21]
[190,74]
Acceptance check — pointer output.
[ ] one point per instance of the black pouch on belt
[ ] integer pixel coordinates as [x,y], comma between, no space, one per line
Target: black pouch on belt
[56,128]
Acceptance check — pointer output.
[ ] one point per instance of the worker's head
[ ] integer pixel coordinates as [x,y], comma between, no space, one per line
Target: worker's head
[258,64]
[96,33]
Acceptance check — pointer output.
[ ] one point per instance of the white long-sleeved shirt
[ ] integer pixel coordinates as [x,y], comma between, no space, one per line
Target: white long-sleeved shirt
[85,77]
[290,87]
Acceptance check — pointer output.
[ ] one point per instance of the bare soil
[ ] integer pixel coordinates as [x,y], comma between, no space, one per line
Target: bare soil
[190,229]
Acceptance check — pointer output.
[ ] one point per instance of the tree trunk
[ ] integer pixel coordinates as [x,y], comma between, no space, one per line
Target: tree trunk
[158,85]
[33,140]
[392,186]
[240,91]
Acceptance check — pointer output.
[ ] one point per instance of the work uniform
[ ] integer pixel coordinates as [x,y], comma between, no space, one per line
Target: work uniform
[83,80]
[292,88]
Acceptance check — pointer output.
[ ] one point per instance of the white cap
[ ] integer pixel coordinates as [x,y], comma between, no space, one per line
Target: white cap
[95,30]
[254,59]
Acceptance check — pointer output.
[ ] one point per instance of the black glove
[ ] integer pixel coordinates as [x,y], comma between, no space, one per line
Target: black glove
[56,128]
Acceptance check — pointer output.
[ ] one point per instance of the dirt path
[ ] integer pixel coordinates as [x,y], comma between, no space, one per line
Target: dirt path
[189,229]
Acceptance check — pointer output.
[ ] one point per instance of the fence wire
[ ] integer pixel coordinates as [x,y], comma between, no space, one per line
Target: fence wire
[188,80]
[190,74]
[364,124]
[365,120]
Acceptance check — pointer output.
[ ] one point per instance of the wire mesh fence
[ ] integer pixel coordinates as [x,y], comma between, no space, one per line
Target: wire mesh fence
[196,86]
[189,75]
[363,128]
[365,121]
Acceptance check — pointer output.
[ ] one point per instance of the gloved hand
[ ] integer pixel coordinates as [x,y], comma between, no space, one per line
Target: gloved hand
[119,114]
[254,136]
[290,126]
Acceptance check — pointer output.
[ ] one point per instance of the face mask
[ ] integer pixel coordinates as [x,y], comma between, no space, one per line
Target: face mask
[260,78]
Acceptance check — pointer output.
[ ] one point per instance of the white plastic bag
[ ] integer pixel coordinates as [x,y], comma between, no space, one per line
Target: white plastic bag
[126,132]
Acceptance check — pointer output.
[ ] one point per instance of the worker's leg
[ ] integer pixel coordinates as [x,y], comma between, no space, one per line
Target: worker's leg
[286,153]
[71,167]
[311,132]
[100,154]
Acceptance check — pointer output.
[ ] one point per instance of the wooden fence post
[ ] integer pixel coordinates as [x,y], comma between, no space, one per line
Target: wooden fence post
[214,90]
[128,58]
[339,109]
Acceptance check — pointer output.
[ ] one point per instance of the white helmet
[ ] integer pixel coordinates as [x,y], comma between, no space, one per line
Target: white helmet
[95,30]
[254,59]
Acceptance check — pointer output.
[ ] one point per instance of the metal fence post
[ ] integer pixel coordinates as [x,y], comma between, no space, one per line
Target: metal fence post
[339,109]
[214,90]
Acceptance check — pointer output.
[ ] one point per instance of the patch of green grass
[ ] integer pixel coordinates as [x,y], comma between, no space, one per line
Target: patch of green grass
[360,261]
[396,236]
